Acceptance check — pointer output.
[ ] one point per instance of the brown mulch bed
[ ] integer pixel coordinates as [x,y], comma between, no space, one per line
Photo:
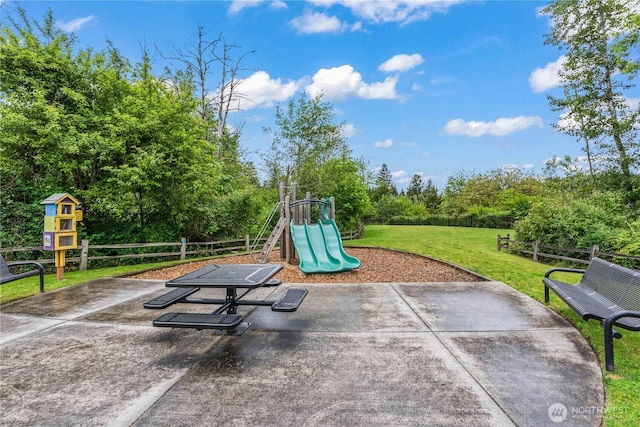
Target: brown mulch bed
[377,265]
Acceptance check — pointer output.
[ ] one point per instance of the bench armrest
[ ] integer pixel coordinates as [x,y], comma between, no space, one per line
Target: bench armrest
[37,264]
[40,269]
[565,270]
[609,334]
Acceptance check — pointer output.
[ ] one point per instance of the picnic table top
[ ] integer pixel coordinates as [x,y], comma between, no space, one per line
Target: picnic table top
[227,276]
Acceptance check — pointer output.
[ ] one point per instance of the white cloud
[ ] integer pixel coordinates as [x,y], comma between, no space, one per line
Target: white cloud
[74,25]
[566,122]
[277,4]
[547,77]
[399,175]
[501,127]
[402,62]
[634,103]
[387,143]
[403,11]
[314,23]
[339,83]
[349,130]
[260,90]
[237,5]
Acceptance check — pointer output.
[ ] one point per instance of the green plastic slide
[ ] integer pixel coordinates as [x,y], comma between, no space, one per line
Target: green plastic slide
[333,243]
[320,248]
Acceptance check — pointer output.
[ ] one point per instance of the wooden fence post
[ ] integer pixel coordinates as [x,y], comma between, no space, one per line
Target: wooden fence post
[183,249]
[84,254]
[594,252]
[536,250]
[501,240]
[247,244]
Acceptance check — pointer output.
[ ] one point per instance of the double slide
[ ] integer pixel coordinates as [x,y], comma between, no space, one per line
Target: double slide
[319,248]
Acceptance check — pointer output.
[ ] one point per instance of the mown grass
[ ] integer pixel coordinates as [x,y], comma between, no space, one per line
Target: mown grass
[30,286]
[474,249]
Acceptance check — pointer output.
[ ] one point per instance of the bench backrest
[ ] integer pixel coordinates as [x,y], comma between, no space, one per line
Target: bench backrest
[618,284]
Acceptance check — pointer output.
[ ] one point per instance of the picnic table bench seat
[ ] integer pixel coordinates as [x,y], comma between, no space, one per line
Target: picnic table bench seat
[199,320]
[7,276]
[606,292]
[170,298]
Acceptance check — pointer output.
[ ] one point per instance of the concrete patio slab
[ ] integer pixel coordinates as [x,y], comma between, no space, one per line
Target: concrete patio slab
[401,354]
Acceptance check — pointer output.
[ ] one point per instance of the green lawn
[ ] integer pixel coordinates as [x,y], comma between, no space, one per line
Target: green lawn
[474,249]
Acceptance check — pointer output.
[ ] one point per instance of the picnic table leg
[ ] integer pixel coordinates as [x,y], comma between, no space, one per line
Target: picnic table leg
[231,300]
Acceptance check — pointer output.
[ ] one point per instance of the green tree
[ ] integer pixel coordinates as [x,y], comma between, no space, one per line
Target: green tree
[416,187]
[383,185]
[305,138]
[451,205]
[124,142]
[431,197]
[344,178]
[601,39]
[56,108]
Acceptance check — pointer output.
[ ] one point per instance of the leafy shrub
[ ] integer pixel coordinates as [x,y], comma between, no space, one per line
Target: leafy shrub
[578,222]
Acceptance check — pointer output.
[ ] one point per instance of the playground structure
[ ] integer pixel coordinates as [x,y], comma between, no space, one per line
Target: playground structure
[318,245]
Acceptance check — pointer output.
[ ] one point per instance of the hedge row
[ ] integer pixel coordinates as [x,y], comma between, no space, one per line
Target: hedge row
[483,221]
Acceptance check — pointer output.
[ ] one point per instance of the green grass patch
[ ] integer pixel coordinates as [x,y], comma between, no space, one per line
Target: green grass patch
[474,249]
[30,286]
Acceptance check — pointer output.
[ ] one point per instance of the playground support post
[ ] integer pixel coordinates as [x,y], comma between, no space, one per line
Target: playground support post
[287,246]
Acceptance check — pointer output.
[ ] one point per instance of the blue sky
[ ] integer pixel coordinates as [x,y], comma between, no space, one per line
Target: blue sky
[428,87]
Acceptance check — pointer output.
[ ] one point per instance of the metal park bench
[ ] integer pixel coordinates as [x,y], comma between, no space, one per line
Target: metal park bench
[606,292]
[7,276]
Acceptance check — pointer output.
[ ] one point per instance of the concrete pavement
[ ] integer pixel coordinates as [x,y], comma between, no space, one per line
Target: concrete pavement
[382,354]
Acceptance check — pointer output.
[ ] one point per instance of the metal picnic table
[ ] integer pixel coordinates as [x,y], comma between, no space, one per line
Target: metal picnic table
[232,277]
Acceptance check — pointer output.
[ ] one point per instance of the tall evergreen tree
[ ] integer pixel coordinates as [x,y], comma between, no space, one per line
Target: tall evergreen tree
[416,187]
[383,185]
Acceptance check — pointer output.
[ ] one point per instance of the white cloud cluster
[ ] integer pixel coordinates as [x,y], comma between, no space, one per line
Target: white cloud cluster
[238,5]
[348,130]
[500,127]
[315,23]
[75,24]
[380,11]
[260,90]
[339,83]
[335,84]
[548,77]
[401,177]
[374,11]
[402,62]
